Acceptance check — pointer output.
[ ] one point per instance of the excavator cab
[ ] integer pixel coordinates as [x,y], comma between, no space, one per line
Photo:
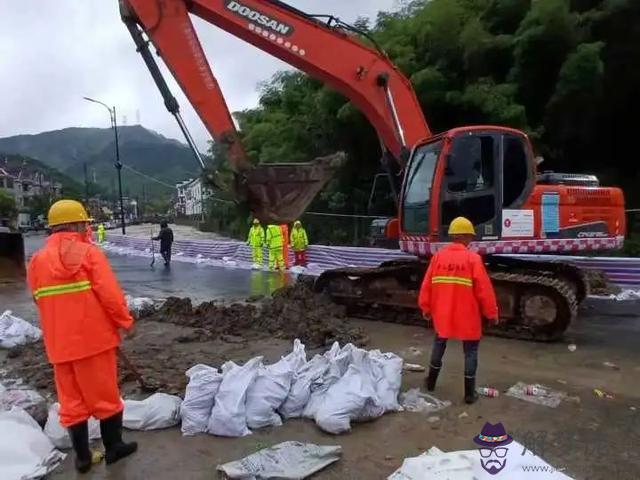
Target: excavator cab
[475,172]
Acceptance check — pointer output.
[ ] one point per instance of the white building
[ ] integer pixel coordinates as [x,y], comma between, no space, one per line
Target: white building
[191,195]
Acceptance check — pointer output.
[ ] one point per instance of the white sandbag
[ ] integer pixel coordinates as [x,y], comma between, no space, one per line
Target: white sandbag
[267,393]
[520,463]
[435,465]
[29,400]
[339,360]
[352,397]
[298,357]
[199,398]
[25,451]
[299,393]
[136,304]
[229,415]
[387,378]
[158,411]
[59,435]
[15,331]
[285,461]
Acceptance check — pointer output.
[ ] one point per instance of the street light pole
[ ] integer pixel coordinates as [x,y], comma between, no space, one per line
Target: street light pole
[119,169]
[118,165]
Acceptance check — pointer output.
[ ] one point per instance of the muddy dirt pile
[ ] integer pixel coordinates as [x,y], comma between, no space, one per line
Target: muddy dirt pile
[176,336]
[292,312]
[599,283]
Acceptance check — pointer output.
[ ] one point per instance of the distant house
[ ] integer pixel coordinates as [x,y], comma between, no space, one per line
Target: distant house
[24,184]
[191,195]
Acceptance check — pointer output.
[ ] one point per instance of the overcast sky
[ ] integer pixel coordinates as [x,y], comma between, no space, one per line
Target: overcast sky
[54,52]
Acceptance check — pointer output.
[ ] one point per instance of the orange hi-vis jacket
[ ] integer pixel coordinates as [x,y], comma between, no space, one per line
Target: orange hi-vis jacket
[80,301]
[456,291]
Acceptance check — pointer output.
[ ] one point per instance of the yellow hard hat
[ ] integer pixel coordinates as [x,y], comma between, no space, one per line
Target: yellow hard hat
[461,226]
[67,211]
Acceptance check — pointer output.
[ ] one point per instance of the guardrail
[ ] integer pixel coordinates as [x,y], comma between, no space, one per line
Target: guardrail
[621,271]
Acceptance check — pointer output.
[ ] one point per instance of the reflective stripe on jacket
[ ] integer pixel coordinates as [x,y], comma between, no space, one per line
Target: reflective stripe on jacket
[299,240]
[80,302]
[274,236]
[256,236]
[456,292]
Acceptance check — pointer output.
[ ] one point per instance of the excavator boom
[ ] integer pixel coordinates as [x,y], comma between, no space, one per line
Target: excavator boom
[364,75]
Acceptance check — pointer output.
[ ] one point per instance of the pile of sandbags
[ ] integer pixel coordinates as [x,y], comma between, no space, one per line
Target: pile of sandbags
[344,384]
[14,331]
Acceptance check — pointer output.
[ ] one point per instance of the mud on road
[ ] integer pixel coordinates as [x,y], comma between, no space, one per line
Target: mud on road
[592,438]
[174,337]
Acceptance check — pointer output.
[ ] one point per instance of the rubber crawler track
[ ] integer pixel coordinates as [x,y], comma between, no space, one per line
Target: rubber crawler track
[353,287]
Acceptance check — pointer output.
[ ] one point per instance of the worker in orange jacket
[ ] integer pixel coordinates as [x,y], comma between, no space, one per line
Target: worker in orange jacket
[285,245]
[456,293]
[82,308]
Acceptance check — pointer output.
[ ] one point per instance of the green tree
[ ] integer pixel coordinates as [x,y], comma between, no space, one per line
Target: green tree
[8,208]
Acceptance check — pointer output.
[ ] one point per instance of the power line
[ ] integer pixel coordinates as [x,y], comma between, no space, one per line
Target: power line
[160,182]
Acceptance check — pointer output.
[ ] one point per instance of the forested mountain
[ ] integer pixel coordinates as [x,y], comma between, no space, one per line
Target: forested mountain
[565,71]
[146,151]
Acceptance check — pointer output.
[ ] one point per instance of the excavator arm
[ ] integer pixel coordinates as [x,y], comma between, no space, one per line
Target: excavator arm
[324,50]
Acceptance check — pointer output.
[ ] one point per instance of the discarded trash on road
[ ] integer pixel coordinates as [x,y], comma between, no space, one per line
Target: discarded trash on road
[536,393]
[572,347]
[488,392]
[15,331]
[519,464]
[284,461]
[416,401]
[610,365]
[27,453]
[413,367]
[602,394]
[158,411]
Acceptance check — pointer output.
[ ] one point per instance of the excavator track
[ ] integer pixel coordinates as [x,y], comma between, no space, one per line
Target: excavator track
[537,300]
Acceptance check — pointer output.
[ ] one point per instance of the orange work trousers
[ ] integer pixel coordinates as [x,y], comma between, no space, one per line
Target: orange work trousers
[88,387]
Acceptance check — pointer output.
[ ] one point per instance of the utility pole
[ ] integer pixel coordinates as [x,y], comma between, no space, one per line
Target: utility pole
[119,168]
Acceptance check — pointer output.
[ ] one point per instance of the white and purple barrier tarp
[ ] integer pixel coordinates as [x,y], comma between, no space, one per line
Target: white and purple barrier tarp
[232,253]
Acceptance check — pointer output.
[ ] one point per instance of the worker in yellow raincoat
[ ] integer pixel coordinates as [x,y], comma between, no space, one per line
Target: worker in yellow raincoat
[299,243]
[274,242]
[256,242]
[101,233]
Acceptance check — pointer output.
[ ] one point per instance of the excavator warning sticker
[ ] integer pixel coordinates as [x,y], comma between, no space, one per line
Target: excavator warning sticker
[517,223]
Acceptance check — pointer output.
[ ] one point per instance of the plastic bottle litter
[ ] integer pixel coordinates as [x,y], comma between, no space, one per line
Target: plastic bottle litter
[534,390]
[488,392]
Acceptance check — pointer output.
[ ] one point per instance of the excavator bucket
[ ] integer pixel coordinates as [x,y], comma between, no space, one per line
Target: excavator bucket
[281,192]
[12,268]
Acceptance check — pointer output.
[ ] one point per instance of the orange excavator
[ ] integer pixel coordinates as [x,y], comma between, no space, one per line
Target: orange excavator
[487,173]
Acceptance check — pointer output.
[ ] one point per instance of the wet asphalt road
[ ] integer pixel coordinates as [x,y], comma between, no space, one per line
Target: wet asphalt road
[601,323]
[137,278]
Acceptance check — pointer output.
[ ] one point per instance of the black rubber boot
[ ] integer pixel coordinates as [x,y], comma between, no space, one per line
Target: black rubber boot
[470,395]
[79,434]
[432,378]
[115,448]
